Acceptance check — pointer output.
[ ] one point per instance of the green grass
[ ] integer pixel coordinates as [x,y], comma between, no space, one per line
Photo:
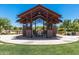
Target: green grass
[65,49]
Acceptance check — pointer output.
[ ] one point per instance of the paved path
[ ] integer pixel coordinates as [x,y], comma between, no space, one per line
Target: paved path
[39,41]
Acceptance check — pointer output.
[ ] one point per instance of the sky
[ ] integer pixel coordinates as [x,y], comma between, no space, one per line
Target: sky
[10,11]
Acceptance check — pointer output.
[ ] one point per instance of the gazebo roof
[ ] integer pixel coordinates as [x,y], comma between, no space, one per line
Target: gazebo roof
[39,11]
[38,6]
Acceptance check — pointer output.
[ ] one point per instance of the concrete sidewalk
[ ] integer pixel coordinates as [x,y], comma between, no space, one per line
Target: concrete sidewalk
[26,41]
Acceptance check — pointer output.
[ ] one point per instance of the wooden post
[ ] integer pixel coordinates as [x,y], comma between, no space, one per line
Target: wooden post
[35,25]
[31,29]
[47,26]
[31,24]
[51,26]
[43,24]
[24,30]
[43,28]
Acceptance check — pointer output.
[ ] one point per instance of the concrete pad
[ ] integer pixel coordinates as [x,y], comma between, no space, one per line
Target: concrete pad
[40,41]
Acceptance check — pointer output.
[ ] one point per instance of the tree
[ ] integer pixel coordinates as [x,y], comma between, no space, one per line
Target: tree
[70,26]
[76,25]
[17,29]
[66,24]
[4,24]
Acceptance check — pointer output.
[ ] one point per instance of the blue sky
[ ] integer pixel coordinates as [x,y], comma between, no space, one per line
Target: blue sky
[68,11]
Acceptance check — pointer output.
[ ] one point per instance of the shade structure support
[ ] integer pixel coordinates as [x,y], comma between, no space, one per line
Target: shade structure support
[39,12]
[43,29]
[31,30]
[24,30]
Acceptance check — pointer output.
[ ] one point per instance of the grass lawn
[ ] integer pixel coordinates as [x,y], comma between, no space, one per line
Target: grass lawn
[14,49]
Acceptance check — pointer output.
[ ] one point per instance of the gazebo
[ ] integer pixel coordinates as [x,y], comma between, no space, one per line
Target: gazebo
[49,20]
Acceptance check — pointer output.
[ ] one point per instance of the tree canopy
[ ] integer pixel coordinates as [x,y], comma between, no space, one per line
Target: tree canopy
[4,24]
[70,25]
